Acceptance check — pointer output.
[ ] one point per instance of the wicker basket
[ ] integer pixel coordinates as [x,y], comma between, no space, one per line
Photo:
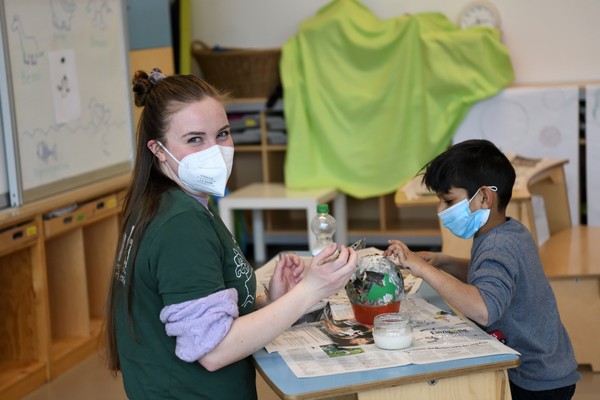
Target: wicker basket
[245,73]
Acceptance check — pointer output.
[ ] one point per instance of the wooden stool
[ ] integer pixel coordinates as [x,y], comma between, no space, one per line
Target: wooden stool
[571,260]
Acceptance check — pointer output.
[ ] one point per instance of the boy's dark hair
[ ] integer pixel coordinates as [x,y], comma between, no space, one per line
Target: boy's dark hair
[470,165]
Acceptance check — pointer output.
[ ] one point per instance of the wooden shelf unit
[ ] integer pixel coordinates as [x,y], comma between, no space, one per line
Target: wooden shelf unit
[376,218]
[55,271]
[23,352]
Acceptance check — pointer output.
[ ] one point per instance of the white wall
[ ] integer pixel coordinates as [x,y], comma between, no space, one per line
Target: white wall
[550,41]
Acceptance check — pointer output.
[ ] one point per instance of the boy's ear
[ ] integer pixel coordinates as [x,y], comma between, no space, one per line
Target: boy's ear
[488,199]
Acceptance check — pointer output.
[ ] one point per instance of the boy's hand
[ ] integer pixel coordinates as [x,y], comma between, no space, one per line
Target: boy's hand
[406,257]
[430,257]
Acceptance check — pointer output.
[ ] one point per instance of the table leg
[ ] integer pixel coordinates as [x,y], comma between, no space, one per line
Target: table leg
[341,217]
[311,212]
[226,214]
[258,235]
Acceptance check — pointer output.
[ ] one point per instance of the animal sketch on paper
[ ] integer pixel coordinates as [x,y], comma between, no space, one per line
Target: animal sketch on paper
[30,49]
[98,9]
[44,151]
[62,13]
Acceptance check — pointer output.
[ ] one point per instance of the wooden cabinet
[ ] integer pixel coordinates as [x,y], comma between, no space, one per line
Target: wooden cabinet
[23,305]
[56,258]
[260,145]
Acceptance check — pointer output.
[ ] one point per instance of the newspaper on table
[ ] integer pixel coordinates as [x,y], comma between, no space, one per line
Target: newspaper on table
[311,350]
[307,334]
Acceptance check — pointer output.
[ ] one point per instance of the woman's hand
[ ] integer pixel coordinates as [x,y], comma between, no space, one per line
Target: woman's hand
[324,278]
[303,288]
[288,271]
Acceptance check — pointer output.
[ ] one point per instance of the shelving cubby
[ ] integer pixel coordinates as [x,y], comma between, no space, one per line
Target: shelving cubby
[56,260]
[80,246]
[23,350]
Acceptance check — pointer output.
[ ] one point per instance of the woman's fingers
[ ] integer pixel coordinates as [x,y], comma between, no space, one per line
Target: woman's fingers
[326,255]
[347,256]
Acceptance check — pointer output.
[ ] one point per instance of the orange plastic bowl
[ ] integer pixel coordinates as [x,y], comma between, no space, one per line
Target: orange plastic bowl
[365,314]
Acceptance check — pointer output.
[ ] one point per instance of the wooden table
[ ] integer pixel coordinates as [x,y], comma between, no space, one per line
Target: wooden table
[571,260]
[474,378]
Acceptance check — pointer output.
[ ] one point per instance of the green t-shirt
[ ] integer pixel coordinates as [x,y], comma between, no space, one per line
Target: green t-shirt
[186,253]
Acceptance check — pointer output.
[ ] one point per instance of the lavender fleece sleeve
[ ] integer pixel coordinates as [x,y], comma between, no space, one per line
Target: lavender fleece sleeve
[200,325]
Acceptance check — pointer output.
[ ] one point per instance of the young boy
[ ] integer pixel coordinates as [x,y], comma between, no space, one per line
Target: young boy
[502,287]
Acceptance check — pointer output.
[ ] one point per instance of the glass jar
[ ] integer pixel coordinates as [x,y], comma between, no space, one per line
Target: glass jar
[392,331]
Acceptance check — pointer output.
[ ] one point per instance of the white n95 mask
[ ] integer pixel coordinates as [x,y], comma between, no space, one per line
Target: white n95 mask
[205,171]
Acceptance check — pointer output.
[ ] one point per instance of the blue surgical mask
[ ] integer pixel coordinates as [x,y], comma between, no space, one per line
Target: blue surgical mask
[461,221]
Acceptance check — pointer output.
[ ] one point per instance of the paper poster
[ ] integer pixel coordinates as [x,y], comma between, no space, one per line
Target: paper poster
[64,85]
[592,153]
[535,123]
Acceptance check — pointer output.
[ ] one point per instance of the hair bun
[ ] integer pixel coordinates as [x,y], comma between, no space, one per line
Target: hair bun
[141,87]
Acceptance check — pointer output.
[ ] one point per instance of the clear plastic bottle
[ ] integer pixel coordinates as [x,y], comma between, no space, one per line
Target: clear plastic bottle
[323,227]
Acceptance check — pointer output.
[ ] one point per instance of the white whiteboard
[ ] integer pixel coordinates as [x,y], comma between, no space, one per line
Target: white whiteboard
[3,171]
[532,122]
[6,138]
[69,108]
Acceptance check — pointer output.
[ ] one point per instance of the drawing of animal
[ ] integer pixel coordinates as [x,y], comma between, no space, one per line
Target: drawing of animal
[44,151]
[98,8]
[29,45]
[62,12]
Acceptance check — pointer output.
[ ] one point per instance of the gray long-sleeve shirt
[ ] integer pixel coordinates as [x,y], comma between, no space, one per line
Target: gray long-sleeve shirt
[507,270]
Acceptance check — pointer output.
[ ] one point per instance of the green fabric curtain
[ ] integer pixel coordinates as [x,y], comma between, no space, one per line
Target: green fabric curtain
[368,102]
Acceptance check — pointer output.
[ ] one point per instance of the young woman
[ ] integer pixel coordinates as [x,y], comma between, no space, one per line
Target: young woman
[183,318]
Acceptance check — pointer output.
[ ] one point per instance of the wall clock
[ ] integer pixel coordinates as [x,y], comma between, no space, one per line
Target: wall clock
[479,13]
